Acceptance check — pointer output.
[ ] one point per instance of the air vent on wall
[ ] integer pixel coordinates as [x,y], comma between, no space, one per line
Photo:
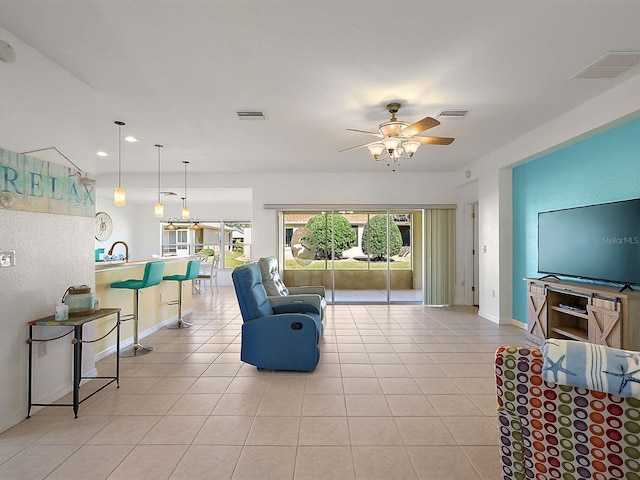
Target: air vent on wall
[251,115]
[454,113]
[610,65]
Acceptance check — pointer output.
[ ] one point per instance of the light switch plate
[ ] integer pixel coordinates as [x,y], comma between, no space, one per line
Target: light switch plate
[7,258]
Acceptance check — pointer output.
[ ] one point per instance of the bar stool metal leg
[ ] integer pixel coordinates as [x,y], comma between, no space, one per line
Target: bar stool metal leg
[136,349]
[181,323]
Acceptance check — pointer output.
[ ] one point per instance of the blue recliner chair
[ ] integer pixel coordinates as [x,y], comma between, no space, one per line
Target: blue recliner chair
[275,338]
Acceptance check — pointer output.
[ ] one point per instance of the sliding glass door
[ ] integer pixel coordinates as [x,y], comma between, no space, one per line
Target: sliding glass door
[359,256]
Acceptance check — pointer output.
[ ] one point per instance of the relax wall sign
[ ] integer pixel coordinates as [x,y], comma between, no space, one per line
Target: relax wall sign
[35,185]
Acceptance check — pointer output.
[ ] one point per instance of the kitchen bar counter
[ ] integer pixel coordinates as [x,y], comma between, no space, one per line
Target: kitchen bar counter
[118,264]
[154,309]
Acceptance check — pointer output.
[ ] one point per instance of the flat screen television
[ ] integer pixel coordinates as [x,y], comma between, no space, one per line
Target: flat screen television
[595,242]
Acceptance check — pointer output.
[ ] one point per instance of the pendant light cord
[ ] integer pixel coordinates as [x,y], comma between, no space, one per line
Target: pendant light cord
[185,181]
[159,147]
[119,155]
[120,124]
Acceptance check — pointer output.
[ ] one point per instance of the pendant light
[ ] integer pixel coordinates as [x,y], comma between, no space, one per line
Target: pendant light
[158,210]
[118,193]
[185,208]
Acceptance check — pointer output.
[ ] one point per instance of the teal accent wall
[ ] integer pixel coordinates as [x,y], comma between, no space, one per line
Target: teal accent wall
[603,168]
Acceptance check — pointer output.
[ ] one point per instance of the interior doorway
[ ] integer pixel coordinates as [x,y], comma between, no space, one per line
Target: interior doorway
[472,295]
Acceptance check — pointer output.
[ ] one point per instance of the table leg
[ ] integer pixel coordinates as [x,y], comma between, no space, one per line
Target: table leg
[30,368]
[118,350]
[77,367]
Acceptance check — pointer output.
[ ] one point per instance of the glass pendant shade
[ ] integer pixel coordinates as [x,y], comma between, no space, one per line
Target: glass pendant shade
[185,213]
[410,147]
[158,210]
[171,226]
[119,197]
[376,150]
[392,128]
[391,144]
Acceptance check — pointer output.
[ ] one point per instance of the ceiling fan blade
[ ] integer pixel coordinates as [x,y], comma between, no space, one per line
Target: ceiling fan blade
[420,126]
[434,140]
[364,131]
[359,146]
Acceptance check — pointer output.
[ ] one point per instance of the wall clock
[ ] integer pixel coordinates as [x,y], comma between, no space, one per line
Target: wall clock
[104,226]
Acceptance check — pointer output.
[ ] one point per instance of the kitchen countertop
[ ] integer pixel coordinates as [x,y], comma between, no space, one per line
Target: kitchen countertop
[121,264]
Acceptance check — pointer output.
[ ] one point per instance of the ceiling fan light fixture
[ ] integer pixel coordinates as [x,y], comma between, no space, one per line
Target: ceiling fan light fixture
[392,129]
[398,139]
[376,150]
[410,147]
[391,144]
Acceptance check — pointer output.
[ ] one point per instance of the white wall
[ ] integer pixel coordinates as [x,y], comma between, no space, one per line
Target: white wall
[385,188]
[42,106]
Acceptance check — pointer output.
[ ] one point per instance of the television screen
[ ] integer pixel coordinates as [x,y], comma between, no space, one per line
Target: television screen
[597,242]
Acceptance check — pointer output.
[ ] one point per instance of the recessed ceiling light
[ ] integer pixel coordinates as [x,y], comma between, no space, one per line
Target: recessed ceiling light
[102,154]
[131,139]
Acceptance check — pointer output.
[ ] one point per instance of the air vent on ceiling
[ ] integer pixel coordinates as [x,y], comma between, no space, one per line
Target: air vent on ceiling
[454,113]
[168,194]
[610,65]
[251,115]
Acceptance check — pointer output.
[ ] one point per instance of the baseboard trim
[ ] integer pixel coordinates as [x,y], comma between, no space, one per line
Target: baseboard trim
[491,318]
[519,324]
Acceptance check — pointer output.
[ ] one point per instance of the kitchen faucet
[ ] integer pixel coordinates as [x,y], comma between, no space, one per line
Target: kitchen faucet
[126,249]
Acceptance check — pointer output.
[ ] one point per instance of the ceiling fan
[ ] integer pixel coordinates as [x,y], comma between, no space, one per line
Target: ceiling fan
[397,139]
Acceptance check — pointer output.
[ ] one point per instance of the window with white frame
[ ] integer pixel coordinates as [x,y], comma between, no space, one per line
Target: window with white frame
[230,239]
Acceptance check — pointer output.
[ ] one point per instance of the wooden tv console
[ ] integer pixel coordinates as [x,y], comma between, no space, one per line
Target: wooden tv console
[581,311]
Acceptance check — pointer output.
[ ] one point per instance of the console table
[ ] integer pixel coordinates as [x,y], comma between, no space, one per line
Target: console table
[582,311]
[77,324]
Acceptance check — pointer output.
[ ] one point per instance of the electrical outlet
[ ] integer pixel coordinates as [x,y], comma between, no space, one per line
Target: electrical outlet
[7,258]
[161,297]
[42,349]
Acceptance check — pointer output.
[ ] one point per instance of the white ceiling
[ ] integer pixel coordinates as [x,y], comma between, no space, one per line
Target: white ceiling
[176,71]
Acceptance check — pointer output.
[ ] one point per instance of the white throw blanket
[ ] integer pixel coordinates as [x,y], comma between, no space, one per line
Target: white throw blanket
[596,367]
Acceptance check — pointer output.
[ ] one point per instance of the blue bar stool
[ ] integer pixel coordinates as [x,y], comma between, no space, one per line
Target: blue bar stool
[193,269]
[152,276]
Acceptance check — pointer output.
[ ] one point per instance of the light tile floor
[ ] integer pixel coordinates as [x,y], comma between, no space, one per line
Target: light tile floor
[401,392]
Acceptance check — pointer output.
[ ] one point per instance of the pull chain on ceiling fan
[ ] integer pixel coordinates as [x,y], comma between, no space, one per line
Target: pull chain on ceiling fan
[397,139]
